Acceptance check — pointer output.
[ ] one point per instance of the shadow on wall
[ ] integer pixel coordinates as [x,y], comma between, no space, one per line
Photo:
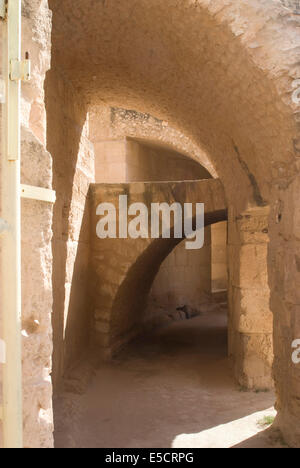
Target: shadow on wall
[66,116]
[78,323]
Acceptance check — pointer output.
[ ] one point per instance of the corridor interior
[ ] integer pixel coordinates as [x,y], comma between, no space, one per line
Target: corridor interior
[173,385]
[170,388]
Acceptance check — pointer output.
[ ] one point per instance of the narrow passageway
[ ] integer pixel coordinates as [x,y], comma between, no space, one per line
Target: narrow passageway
[175,381]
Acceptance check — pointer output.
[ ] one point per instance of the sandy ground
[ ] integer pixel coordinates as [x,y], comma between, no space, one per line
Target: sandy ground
[173,388]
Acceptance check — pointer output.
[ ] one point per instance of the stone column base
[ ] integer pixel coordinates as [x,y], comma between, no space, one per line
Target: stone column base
[253,359]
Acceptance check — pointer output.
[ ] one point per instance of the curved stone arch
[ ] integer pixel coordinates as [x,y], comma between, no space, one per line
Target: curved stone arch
[131,298]
[115,123]
[124,269]
[223,73]
[219,46]
[258,33]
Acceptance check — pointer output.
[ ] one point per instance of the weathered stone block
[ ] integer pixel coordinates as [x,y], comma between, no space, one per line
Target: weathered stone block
[253,360]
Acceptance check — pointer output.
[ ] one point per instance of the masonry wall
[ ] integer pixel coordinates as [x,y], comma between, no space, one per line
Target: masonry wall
[185,276]
[128,160]
[123,270]
[250,317]
[150,163]
[73,171]
[113,123]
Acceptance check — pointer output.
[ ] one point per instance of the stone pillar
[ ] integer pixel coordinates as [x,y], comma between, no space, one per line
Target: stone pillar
[284,274]
[219,273]
[250,318]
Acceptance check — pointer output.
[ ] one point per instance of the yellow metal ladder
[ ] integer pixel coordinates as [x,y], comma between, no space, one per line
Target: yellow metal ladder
[11,411]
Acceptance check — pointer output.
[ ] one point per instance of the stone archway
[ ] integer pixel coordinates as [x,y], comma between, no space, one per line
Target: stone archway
[111,123]
[124,269]
[222,73]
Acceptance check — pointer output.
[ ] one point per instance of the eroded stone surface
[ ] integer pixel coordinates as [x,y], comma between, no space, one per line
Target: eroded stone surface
[250,317]
[36,235]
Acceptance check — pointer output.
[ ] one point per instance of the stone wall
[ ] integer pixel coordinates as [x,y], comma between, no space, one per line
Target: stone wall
[151,162]
[250,317]
[184,277]
[113,123]
[283,260]
[73,171]
[36,234]
[124,269]
[129,160]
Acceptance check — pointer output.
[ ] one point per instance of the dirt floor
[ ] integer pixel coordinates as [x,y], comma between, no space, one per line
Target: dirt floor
[173,388]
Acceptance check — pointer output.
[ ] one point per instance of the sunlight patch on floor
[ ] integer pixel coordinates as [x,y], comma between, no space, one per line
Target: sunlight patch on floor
[226,435]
